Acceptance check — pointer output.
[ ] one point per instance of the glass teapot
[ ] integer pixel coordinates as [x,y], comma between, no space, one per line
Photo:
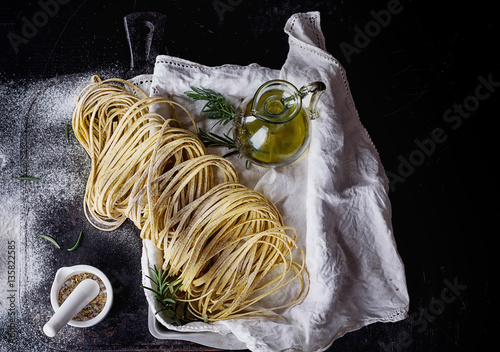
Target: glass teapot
[273,129]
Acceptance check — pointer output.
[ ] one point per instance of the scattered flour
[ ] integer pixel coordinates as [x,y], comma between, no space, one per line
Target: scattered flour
[10,204]
[33,142]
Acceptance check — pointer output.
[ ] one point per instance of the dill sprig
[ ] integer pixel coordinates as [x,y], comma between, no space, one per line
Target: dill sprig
[217,107]
[165,294]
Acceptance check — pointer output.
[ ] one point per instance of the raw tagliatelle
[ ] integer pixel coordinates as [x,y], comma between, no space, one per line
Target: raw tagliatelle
[226,243]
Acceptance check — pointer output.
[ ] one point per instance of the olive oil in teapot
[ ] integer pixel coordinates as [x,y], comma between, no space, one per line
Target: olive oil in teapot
[274,128]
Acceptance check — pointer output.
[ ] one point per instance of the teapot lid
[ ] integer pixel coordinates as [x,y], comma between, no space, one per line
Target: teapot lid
[276,101]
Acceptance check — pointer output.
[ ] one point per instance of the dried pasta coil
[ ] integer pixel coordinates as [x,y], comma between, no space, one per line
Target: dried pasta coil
[121,135]
[224,242]
[222,248]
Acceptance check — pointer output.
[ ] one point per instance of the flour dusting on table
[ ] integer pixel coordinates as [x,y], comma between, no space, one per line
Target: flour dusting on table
[34,142]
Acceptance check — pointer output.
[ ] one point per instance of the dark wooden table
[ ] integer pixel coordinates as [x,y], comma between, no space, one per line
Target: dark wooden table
[425,77]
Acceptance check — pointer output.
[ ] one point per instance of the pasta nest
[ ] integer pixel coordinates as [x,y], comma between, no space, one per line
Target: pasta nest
[225,243]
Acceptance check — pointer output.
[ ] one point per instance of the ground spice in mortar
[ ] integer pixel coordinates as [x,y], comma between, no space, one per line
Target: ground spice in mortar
[95,306]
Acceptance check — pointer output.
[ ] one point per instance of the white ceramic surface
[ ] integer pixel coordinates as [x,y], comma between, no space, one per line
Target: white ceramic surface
[65,273]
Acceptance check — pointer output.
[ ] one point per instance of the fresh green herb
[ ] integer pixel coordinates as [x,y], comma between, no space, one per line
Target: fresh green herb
[165,294]
[51,240]
[67,133]
[27,178]
[214,140]
[217,107]
[77,243]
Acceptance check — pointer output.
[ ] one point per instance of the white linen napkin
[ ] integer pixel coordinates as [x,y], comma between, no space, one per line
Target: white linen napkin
[335,196]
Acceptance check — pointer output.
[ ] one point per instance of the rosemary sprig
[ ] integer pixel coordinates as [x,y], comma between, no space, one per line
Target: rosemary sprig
[214,140]
[165,294]
[27,178]
[67,132]
[217,107]
[51,240]
[77,242]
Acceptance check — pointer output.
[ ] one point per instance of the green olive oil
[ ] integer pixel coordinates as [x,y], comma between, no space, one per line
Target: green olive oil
[272,143]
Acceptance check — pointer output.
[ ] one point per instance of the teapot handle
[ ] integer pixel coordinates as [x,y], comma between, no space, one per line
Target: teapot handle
[317,89]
